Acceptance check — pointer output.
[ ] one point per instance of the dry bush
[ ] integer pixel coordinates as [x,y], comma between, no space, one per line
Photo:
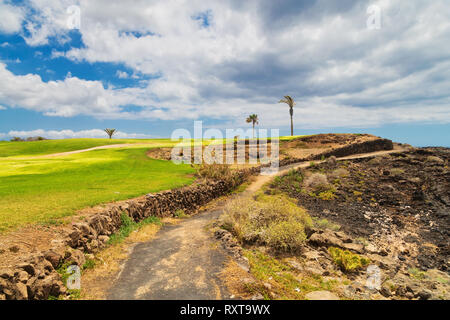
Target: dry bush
[375,161]
[272,220]
[213,171]
[218,172]
[434,159]
[317,183]
[332,161]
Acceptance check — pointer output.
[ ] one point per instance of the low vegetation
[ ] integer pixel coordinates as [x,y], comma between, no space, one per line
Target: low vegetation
[317,183]
[271,220]
[276,279]
[34,148]
[128,226]
[347,260]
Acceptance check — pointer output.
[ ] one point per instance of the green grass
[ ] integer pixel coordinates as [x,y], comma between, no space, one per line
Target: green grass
[128,226]
[46,189]
[34,148]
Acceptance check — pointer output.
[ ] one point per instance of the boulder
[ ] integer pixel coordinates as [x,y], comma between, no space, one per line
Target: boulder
[53,257]
[76,257]
[325,239]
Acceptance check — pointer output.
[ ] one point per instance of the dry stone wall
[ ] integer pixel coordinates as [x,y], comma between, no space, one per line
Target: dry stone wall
[37,276]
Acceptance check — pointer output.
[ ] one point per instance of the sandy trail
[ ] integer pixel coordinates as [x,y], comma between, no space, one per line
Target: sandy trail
[110,146]
[184,261]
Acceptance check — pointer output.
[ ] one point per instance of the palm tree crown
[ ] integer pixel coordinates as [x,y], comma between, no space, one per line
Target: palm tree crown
[290,102]
[253,119]
[110,132]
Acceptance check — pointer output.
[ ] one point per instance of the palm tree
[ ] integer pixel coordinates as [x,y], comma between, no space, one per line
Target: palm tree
[253,118]
[290,102]
[110,132]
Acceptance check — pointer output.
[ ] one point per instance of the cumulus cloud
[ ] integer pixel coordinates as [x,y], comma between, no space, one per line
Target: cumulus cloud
[11,18]
[69,134]
[69,97]
[245,56]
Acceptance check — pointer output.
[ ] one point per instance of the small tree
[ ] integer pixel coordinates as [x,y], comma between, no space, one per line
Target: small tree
[253,119]
[290,102]
[110,132]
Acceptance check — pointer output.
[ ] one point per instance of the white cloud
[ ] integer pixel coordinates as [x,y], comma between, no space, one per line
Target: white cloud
[251,54]
[122,74]
[11,18]
[68,134]
[2,108]
[69,97]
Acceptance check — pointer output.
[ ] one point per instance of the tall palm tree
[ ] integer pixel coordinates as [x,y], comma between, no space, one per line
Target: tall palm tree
[253,118]
[290,102]
[110,132]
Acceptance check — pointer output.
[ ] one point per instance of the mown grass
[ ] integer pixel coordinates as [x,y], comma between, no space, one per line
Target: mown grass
[33,148]
[44,147]
[42,190]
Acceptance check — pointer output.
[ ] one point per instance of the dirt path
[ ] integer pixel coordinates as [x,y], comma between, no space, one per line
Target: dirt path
[184,261]
[110,146]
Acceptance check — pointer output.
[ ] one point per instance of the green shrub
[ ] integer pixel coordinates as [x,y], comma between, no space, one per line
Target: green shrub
[347,260]
[273,220]
[293,178]
[327,195]
[285,235]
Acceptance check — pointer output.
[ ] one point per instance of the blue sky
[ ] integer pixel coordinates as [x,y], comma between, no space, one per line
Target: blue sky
[150,67]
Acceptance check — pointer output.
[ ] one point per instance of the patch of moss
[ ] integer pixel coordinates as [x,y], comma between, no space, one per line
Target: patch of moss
[128,226]
[89,264]
[347,260]
[325,224]
[180,214]
[327,195]
[416,273]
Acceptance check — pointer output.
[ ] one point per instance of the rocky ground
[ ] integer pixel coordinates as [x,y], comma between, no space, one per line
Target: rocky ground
[298,148]
[395,210]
